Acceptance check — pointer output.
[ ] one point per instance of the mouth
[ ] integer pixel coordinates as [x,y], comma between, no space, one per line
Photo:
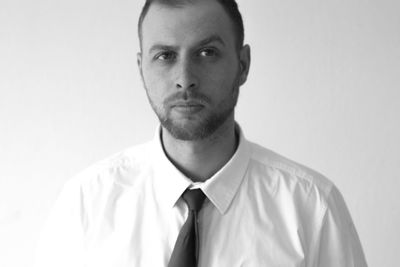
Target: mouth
[187,107]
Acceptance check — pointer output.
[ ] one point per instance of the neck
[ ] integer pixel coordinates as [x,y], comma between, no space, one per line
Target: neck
[201,159]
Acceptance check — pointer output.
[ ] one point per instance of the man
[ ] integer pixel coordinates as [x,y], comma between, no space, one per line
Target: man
[199,194]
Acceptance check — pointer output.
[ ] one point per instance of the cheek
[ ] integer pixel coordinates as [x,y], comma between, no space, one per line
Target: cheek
[156,82]
[222,79]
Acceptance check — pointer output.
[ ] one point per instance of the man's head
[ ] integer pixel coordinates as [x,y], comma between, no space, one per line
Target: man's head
[191,66]
[230,7]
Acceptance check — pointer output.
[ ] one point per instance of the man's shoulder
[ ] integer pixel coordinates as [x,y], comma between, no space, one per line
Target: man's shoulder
[291,171]
[120,168]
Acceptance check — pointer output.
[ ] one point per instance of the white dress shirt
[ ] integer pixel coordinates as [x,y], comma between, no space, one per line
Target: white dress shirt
[261,210]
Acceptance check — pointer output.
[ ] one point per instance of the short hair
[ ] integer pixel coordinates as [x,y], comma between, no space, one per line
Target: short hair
[230,6]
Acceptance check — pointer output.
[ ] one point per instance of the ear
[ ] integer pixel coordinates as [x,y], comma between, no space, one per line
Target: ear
[139,60]
[245,59]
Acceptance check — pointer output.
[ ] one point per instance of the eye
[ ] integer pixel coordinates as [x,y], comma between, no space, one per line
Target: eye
[166,56]
[208,52]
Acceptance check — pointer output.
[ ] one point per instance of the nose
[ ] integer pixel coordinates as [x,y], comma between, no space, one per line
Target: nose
[186,78]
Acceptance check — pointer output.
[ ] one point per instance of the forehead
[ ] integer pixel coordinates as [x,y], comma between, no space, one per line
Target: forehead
[186,24]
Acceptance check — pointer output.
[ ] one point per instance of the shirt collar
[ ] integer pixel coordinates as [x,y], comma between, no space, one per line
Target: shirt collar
[220,189]
[169,182]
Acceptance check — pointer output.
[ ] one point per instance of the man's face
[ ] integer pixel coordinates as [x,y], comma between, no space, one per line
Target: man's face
[191,68]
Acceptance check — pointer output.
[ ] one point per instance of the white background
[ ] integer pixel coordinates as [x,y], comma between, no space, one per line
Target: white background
[323,90]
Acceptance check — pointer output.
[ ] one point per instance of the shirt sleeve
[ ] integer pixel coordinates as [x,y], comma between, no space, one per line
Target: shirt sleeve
[61,241]
[338,242]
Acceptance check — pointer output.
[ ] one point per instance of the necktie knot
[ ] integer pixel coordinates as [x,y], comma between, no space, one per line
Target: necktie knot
[194,199]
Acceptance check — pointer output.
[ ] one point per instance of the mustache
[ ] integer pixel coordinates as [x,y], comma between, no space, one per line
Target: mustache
[186,96]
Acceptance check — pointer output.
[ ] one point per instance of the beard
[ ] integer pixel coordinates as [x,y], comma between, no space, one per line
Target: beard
[195,130]
[199,126]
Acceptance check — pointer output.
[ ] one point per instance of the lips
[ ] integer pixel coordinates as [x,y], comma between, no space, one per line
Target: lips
[187,106]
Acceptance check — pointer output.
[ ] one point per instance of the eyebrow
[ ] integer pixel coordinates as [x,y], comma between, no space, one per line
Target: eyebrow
[212,38]
[158,47]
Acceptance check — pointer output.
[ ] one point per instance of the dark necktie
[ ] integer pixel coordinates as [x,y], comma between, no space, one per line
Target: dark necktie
[186,250]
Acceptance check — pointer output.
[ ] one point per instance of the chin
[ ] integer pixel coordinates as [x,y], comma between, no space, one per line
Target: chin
[194,129]
[187,130]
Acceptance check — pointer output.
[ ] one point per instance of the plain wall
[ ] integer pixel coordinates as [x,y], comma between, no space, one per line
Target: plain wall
[323,90]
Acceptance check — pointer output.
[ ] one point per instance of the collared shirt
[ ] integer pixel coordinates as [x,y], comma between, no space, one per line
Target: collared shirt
[261,210]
